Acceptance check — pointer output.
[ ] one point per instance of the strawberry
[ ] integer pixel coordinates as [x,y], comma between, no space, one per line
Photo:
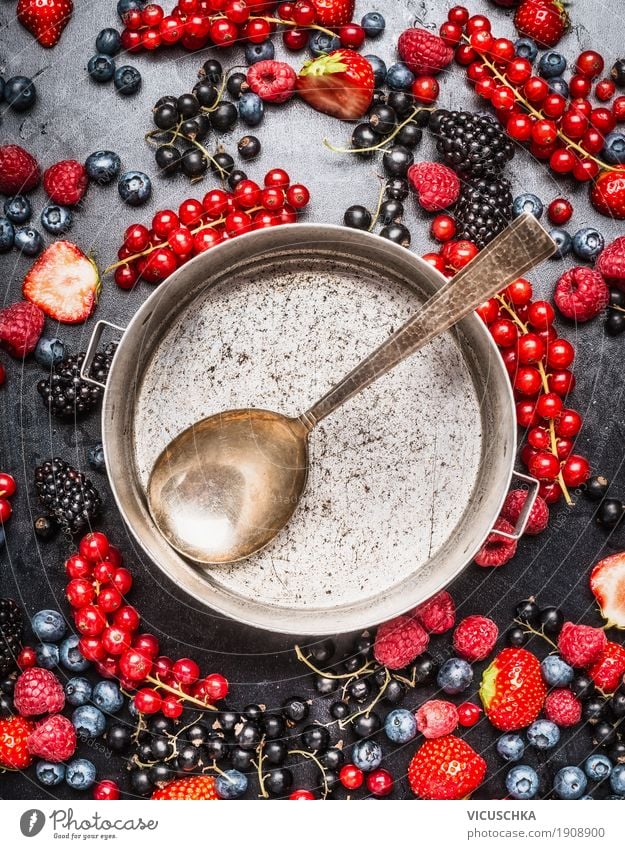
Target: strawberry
[46,19]
[195,787]
[334,13]
[607,582]
[545,21]
[14,733]
[64,283]
[608,194]
[447,768]
[339,84]
[19,171]
[611,263]
[66,182]
[608,671]
[21,326]
[512,690]
[424,52]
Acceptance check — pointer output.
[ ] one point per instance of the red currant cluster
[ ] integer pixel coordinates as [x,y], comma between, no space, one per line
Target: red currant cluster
[194,24]
[153,254]
[539,362]
[97,592]
[455,253]
[7,489]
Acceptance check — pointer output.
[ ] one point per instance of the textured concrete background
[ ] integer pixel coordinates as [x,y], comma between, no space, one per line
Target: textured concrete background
[73,117]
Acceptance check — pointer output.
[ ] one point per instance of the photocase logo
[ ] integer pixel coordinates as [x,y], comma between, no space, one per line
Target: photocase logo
[31,822]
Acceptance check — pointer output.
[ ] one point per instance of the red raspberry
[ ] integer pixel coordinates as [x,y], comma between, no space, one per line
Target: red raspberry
[435,185]
[38,691]
[475,637]
[399,641]
[272,81]
[437,614]
[581,645]
[21,326]
[563,707]
[611,263]
[423,52]
[607,672]
[581,294]
[19,171]
[66,182]
[54,739]
[539,515]
[497,550]
[437,718]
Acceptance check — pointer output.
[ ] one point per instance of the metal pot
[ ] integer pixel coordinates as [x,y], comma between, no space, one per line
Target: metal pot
[166,374]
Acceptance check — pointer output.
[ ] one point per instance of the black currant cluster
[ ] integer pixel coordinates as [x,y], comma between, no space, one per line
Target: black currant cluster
[615,321]
[7,688]
[11,632]
[609,510]
[389,214]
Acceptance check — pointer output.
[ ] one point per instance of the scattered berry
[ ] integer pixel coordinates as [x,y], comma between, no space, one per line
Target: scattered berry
[563,707]
[447,768]
[399,641]
[497,550]
[581,645]
[475,638]
[437,718]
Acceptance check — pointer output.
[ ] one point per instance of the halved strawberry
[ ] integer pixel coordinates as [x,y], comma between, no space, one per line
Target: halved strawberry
[607,582]
[339,84]
[64,283]
[512,690]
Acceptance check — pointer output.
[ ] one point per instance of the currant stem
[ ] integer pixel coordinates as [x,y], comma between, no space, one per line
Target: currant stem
[302,657]
[259,768]
[378,207]
[294,25]
[384,141]
[526,627]
[183,696]
[315,760]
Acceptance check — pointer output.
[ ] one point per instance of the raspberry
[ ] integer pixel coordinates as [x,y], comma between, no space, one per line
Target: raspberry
[66,182]
[14,734]
[399,641]
[563,707]
[581,645]
[438,614]
[435,185]
[272,81]
[475,637]
[19,171]
[497,550]
[607,672]
[539,515]
[38,691]
[581,293]
[437,718]
[21,326]
[54,739]
[611,263]
[423,52]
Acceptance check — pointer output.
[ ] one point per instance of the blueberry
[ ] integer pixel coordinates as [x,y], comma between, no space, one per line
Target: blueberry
[78,691]
[103,166]
[28,241]
[101,68]
[95,457]
[367,755]
[614,148]
[20,93]
[48,625]
[522,782]
[399,77]
[528,203]
[7,235]
[563,240]
[127,80]
[543,734]
[230,784]
[556,672]
[80,774]
[526,48]
[49,774]
[56,219]
[71,656]
[373,24]
[588,243]
[47,655]
[570,783]
[321,42]
[558,85]
[18,209]
[251,109]
[617,779]
[259,52]
[400,726]
[552,64]
[108,41]
[134,188]
[598,767]
[511,747]
[379,69]
[108,697]
[88,721]
[124,6]
[49,353]
[454,676]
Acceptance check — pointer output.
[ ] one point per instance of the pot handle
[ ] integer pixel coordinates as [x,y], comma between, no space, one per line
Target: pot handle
[94,344]
[524,515]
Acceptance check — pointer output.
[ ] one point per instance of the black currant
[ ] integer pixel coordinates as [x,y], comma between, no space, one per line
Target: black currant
[235,177]
[397,160]
[364,644]
[7,708]
[528,612]
[410,135]
[382,119]
[187,105]
[324,685]
[206,94]
[604,734]
[140,782]
[275,752]
[161,773]
[354,663]
[365,726]
[322,652]
[248,736]
[274,726]
[397,189]
[188,757]
[168,159]
[424,668]
[379,96]
[45,527]
[358,217]
[618,73]
[610,512]
[168,99]
[582,685]
[236,84]
[228,719]
[295,709]
[364,137]
[161,748]
[216,748]
[144,751]
[253,712]
[241,759]
[516,637]
[617,298]
[331,779]
[315,738]
[212,71]
[339,710]
[394,693]
[194,163]
[596,488]
[197,734]
[7,685]
[617,703]
[594,710]
[615,323]
[222,162]
[616,752]
[397,233]
[278,782]
[190,128]
[402,102]
[249,147]
[224,117]
[391,211]
[359,690]
[166,116]
[334,758]
[551,620]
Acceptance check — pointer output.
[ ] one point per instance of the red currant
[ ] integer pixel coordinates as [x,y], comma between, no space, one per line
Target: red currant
[618,109]
[481,41]
[526,414]
[172,706]
[273,198]
[298,196]
[352,36]
[223,32]
[114,557]
[527,381]
[106,791]
[351,777]
[136,238]
[237,11]
[304,13]
[593,141]
[458,15]
[379,782]
[477,23]
[216,687]
[560,211]
[486,88]
[162,668]
[443,228]
[511,361]
[147,701]
[257,30]
[122,580]
[90,620]
[468,714]
[519,292]
[134,665]
[77,567]
[186,671]
[109,599]
[5,510]
[589,64]
[519,71]
[541,315]
[561,382]
[539,438]
[569,423]
[544,466]
[190,211]
[116,640]
[126,276]
[536,89]
[206,238]
[277,178]
[27,658]
[458,254]
[127,617]
[91,648]
[247,194]
[560,354]
[238,223]
[8,486]
[425,90]
[215,203]
[554,105]
[562,161]
[465,54]
[171,30]
[94,547]
[550,492]
[603,120]
[504,332]
[503,98]
[146,644]
[579,86]
[451,33]
[295,39]
[549,405]
[502,51]
[544,132]
[531,349]
[576,470]
[302,795]
[80,592]
[180,241]
[436,261]
[519,127]
[605,90]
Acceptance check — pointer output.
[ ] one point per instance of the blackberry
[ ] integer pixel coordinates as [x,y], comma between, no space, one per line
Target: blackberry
[11,627]
[471,144]
[66,394]
[483,209]
[67,495]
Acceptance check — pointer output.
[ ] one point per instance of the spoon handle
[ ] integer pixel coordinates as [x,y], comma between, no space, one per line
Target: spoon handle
[522,245]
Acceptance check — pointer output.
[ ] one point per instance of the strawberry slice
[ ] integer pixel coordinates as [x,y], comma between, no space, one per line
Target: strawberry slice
[64,283]
[607,582]
[339,84]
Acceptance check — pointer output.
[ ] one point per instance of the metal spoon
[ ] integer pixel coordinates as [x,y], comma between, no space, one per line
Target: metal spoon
[224,487]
